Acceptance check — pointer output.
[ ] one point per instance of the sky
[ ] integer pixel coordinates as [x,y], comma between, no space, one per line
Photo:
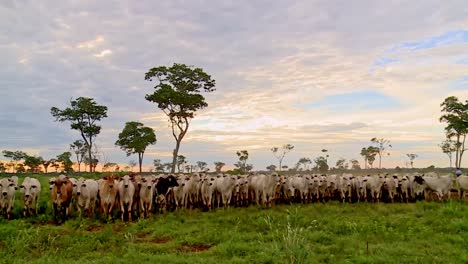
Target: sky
[314,74]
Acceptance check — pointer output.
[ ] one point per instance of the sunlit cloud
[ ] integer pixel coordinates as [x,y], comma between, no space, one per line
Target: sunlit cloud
[313,74]
[103,53]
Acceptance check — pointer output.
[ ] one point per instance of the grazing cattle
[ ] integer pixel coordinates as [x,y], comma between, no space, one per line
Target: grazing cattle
[374,186]
[61,196]
[390,185]
[146,196]
[108,191]
[7,196]
[31,190]
[51,183]
[224,187]
[265,187]
[162,189]
[462,182]
[126,194]
[300,184]
[439,185]
[242,191]
[405,188]
[345,188]
[137,183]
[207,191]
[87,194]
[190,191]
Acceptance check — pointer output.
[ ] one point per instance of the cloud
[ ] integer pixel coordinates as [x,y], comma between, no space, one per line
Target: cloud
[317,74]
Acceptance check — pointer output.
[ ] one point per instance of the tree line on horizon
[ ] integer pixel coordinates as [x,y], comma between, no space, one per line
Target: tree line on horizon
[178,94]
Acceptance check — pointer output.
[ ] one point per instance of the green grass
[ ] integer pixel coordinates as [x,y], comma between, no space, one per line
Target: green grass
[424,232]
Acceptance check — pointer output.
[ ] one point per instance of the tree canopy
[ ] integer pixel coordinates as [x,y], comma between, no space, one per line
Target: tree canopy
[135,138]
[177,94]
[455,114]
[83,115]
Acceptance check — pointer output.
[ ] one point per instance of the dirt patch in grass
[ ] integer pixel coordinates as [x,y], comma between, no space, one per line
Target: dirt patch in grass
[43,223]
[160,240]
[94,228]
[118,228]
[191,248]
[142,235]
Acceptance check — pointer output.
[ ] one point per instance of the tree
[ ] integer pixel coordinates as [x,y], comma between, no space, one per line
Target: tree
[109,166]
[2,167]
[135,138]
[181,161]
[412,157]
[381,145]
[158,166]
[271,167]
[20,168]
[455,114]
[242,165]
[321,163]
[305,162]
[340,164]
[201,165]
[56,165]
[448,147]
[33,162]
[355,164]
[15,157]
[64,158]
[83,115]
[219,166]
[47,163]
[279,153]
[167,166]
[80,148]
[369,154]
[177,94]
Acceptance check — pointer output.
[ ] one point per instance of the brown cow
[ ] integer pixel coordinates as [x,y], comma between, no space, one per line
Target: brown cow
[108,191]
[61,196]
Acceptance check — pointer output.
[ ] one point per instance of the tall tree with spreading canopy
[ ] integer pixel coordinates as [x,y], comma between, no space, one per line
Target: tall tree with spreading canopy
[83,116]
[201,165]
[279,153]
[382,145]
[33,162]
[455,114]
[177,94]
[135,138]
[80,148]
[305,162]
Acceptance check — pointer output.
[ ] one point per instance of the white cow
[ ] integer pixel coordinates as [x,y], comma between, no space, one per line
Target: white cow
[126,194]
[7,196]
[146,195]
[390,185]
[462,182]
[265,187]
[86,195]
[374,186]
[31,190]
[207,191]
[439,185]
[224,187]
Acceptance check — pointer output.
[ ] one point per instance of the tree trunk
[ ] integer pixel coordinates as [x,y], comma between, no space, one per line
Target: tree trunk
[450,159]
[140,159]
[90,157]
[457,151]
[380,161]
[79,166]
[175,154]
[280,162]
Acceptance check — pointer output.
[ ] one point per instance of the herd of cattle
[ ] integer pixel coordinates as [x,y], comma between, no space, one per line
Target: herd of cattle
[138,196]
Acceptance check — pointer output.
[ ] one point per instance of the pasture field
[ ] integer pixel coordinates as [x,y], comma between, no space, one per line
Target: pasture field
[423,232]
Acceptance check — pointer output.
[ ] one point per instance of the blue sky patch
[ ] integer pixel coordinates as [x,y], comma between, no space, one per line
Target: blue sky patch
[362,100]
[449,38]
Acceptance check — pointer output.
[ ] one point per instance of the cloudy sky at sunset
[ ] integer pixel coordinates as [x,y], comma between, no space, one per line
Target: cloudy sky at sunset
[315,74]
